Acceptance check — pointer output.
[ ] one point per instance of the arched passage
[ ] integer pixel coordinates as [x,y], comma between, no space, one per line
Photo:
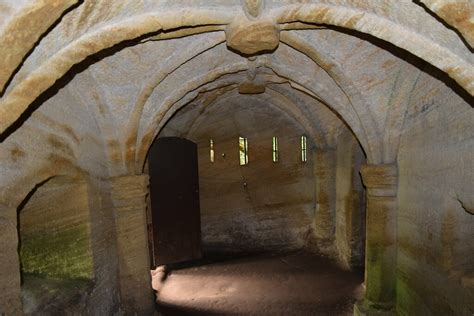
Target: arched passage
[102,79]
[55,247]
[131,28]
[265,206]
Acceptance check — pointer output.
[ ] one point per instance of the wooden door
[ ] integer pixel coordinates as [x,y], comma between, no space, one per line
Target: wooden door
[174,194]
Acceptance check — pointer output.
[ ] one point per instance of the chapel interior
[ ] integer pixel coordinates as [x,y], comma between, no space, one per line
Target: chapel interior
[236,157]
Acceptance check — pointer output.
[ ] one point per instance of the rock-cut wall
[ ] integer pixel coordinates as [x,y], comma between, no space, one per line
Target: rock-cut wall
[262,206]
[56,247]
[435,221]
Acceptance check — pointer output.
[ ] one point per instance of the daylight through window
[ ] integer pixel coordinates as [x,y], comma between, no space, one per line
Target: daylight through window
[211,150]
[275,149]
[304,156]
[243,151]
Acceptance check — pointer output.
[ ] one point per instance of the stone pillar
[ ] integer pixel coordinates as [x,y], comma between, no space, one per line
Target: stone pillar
[105,297]
[10,278]
[381,182]
[325,177]
[128,195]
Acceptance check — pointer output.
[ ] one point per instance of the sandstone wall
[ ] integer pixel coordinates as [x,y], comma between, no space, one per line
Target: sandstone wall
[56,248]
[88,95]
[436,191]
[71,232]
[350,202]
[260,206]
[55,231]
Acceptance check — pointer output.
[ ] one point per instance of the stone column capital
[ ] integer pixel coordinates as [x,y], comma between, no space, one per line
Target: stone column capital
[381,180]
[129,187]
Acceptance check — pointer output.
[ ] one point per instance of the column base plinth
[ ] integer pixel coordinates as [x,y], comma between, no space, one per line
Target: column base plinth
[361,308]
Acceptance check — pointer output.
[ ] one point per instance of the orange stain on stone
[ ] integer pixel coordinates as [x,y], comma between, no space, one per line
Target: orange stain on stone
[17,153]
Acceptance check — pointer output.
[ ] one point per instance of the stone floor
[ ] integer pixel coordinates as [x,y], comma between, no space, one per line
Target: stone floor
[283,284]
[46,296]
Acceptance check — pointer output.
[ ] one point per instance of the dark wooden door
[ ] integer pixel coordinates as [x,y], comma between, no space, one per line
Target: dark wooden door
[174,194]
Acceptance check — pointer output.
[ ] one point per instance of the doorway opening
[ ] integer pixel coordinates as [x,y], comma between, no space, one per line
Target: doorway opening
[175,219]
[259,220]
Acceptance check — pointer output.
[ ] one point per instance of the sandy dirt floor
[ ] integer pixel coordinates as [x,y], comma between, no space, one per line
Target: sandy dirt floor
[283,284]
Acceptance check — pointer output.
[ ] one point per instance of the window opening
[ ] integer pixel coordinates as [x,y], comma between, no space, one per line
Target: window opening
[211,150]
[275,149]
[243,151]
[304,156]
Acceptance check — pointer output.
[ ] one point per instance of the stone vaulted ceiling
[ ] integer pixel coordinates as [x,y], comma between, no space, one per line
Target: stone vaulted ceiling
[87,85]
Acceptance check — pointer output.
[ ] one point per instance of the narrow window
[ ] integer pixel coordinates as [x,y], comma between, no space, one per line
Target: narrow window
[304,156]
[211,150]
[243,150]
[275,149]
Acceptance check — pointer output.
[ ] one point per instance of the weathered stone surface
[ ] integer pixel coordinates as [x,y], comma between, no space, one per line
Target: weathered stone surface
[350,203]
[383,69]
[263,206]
[23,30]
[105,295]
[435,234]
[128,197]
[74,40]
[10,299]
[381,182]
[68,249]
[253,8]
[55,232]
[459,14]
[251,87]
[252,37]
[325,213]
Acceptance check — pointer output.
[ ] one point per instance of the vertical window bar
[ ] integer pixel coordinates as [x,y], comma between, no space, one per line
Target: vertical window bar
[211,150]
[304,157]
[243,151]
[275,149]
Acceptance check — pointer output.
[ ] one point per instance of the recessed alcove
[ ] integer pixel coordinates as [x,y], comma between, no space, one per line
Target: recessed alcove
[55,247]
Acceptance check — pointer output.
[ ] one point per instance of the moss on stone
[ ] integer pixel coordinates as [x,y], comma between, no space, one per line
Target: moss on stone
[64,254]
[404,297]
